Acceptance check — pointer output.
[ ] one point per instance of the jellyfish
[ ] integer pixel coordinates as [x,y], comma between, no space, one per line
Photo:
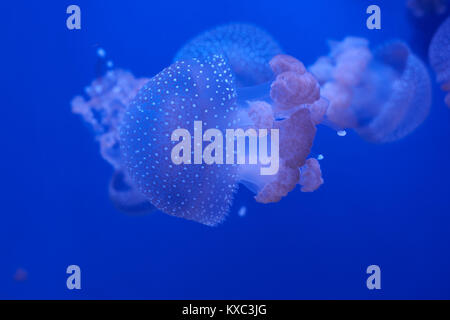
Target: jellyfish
[439,54]
[383,94]
[203,90]
[108,97]
[247,48]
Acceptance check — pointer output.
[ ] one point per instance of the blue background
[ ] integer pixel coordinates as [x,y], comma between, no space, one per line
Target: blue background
[381,204]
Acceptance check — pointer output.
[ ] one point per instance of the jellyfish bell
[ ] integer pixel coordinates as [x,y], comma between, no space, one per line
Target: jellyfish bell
[203,91]
[409,95]
[174,99]
[247,48]
[439,55]
[383,95]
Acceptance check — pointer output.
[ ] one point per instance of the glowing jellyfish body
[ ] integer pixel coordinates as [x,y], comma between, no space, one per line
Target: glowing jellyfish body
[108,98]
[247,48]
[204,90]
[384,95]
[439,54]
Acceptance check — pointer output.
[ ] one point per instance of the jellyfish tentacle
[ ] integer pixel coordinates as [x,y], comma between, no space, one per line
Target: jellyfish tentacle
[107,98]
[310,176]
[125,196]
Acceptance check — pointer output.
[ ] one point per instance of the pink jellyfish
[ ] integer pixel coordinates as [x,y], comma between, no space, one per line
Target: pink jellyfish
[383,94]
[203,91]
[108,98]
[439,54]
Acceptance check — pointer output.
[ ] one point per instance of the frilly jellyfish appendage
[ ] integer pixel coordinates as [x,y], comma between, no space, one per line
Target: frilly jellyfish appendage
[384,95]
[439,54]
[204,90]
[311,175]
[247,48]
[108,97]
[420,8]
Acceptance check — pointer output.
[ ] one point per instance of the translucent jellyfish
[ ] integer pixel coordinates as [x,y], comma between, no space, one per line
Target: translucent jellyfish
[204,90]
[440,57]
[242,211]
[247,48]
[384,95]
[420,8]
[108,97]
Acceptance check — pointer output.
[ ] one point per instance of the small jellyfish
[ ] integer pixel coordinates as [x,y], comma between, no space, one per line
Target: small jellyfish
[384,95]
[247,48]
[108,98]
[242,211]
[203,91]
[439,54]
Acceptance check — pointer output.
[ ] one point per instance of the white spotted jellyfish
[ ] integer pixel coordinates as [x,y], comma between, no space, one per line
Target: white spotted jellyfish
[383,94]
[204,89]
[439,55]
[247,48]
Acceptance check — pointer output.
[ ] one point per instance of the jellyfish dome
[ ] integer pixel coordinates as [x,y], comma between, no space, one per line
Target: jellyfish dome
[163,135]
[439,54]
[108,97]
[383,94]
[247,48]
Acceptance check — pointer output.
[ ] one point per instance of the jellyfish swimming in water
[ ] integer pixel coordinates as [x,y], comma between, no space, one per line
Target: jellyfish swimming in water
[201,93]
[247,48]
[439,54]
[383,94]
[108,97]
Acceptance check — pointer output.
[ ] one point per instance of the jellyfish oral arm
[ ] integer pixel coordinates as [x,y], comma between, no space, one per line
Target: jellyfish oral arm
[213,153]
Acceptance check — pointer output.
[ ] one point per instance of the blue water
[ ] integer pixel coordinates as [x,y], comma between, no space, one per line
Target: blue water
[387,205]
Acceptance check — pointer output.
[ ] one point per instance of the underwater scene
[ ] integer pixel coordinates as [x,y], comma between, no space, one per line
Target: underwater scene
[226,150]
